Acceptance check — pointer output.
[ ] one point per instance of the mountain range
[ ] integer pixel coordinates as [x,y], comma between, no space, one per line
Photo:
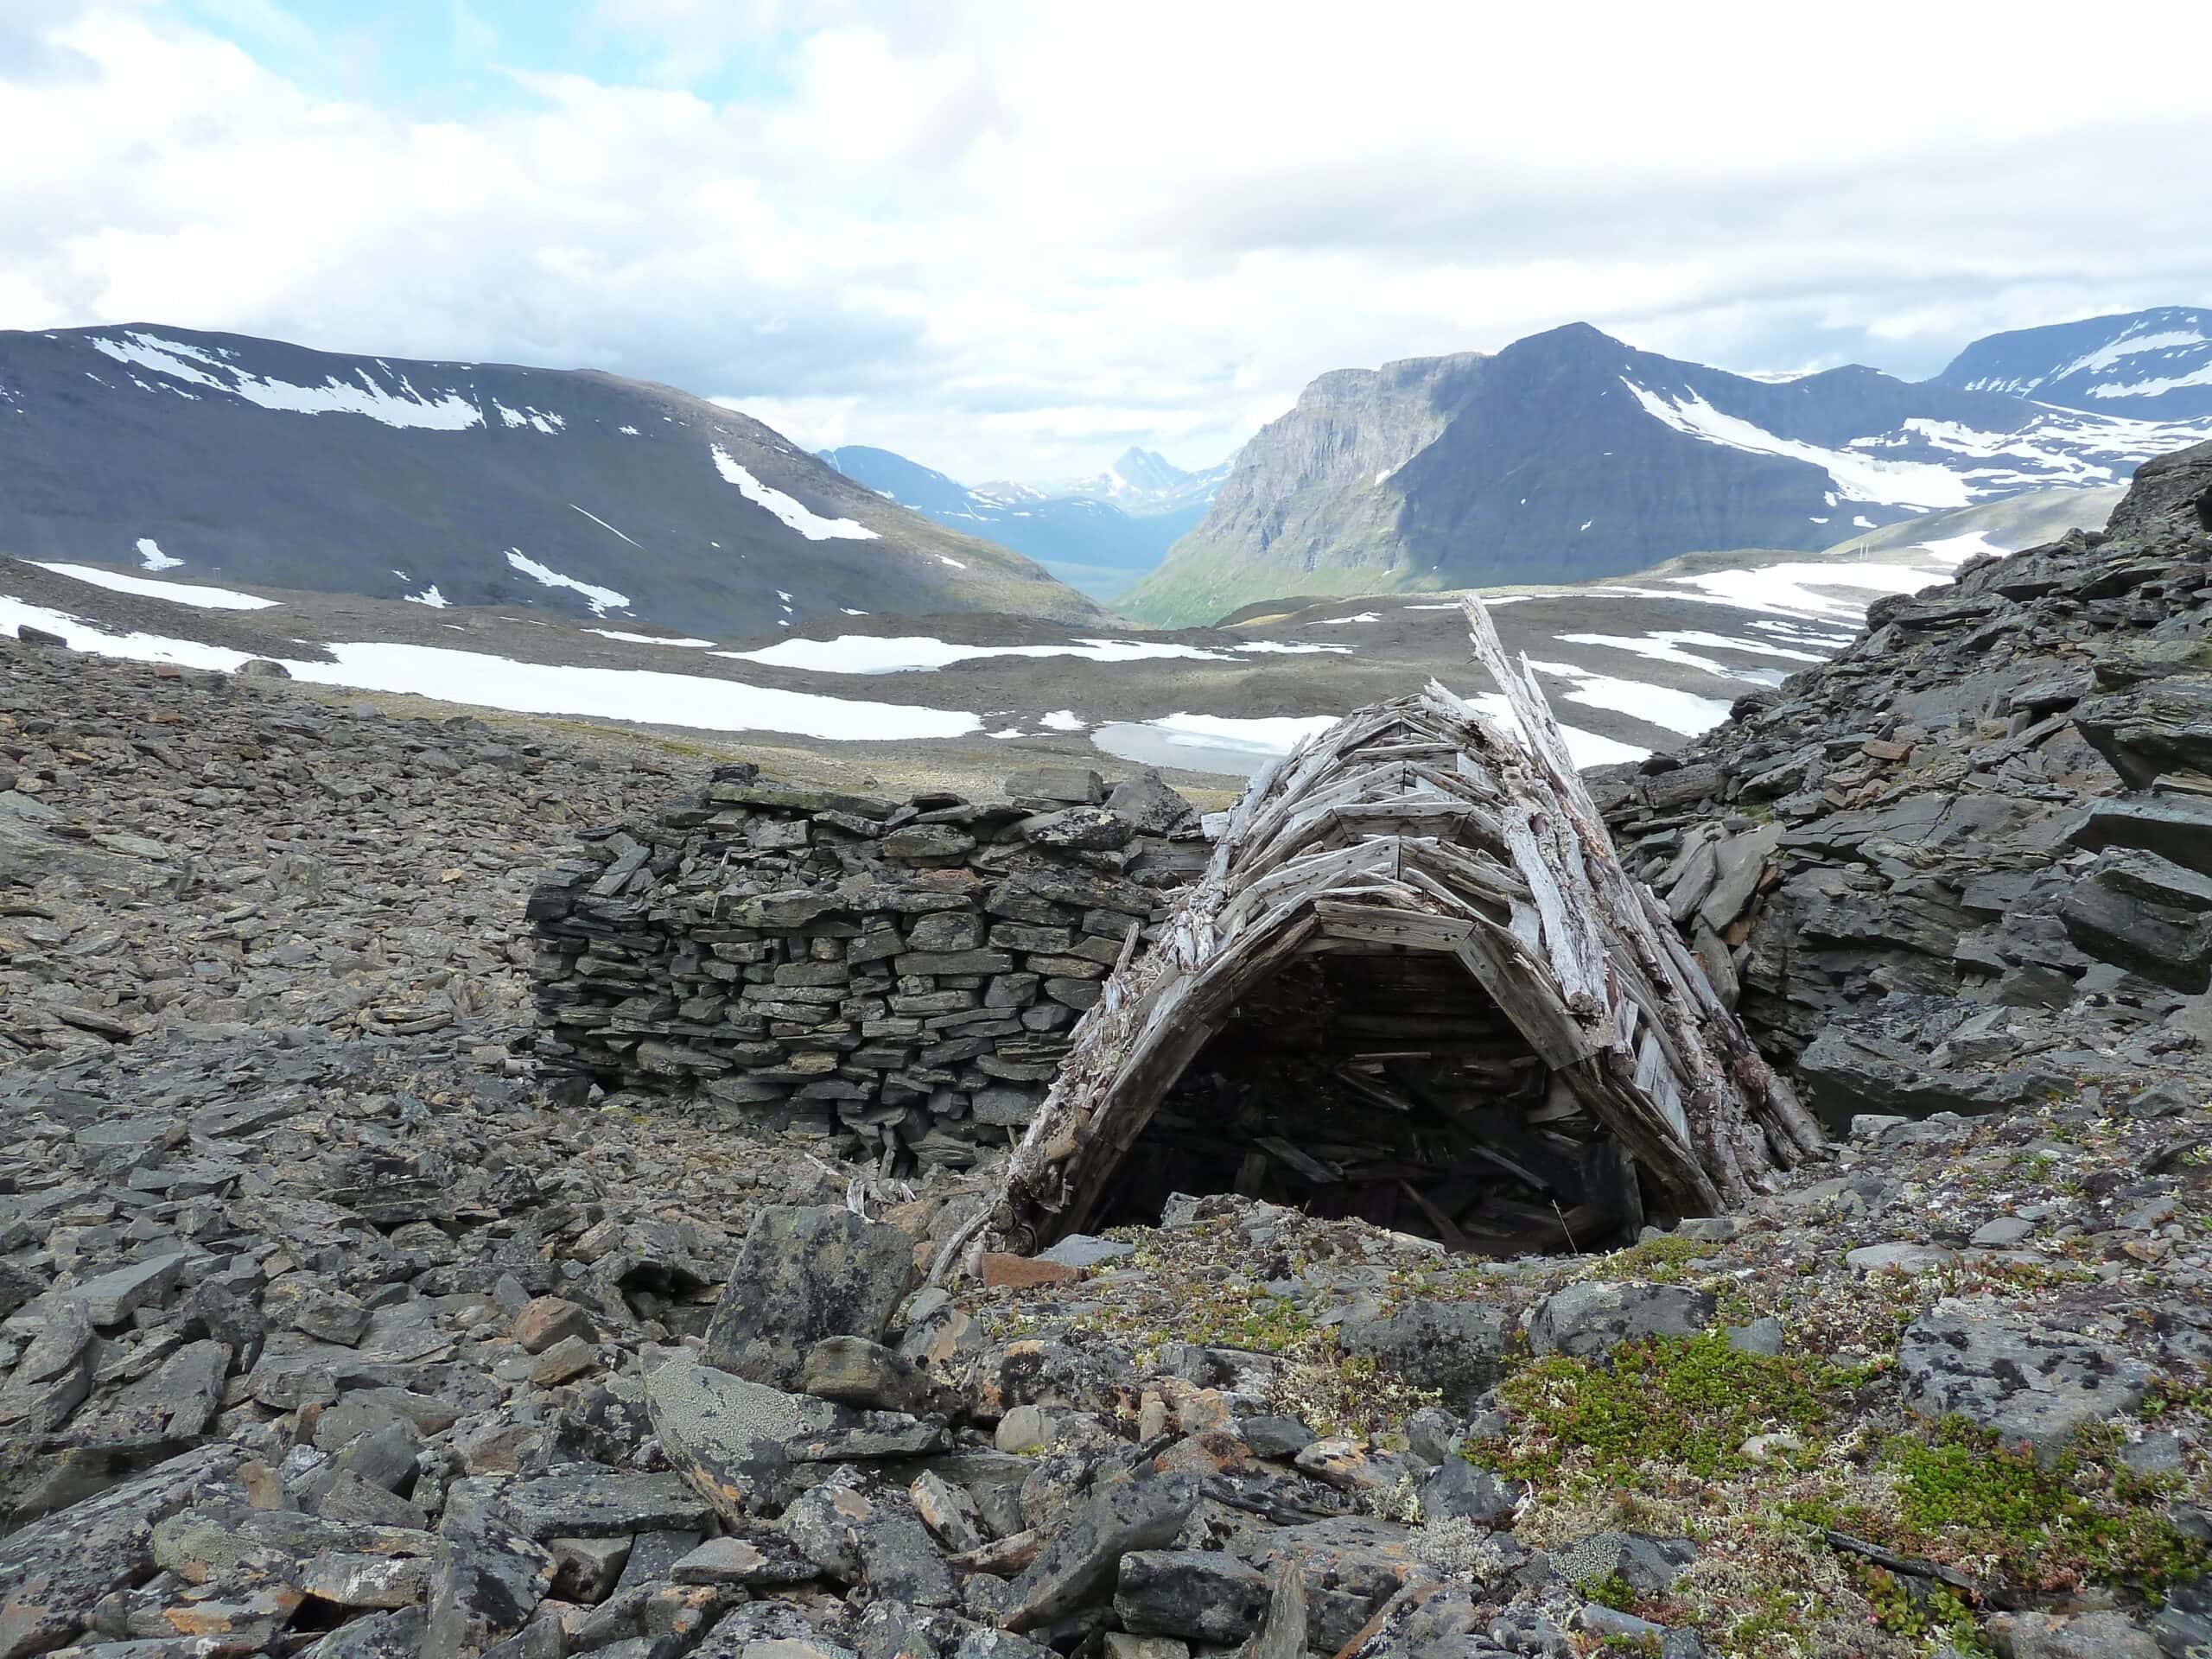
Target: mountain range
[1098,534]
[459,484]
[2151,365]
[1571,454]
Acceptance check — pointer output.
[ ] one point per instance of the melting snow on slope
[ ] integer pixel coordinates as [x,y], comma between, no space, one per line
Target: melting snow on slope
[1656,705]
[429,596]
[1280,648]
[132,647]
[650,639]
[1921,485]
[2114,351]
[1063,720]
[447,412]
[151,557]
[1957,549]
[955,564]
[537,420]
[2157,386]
[599,599]
[208,599]
[486,682]
[1667,647]
[862,653]
[1346,621]
[804,519]
[1788,588]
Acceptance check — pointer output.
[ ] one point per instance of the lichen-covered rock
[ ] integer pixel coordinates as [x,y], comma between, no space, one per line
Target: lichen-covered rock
[1589,1321]
[1456,1348]
[1972,1359]
[802,1276]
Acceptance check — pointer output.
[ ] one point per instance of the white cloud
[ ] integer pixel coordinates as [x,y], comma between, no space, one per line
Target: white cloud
[1009,238]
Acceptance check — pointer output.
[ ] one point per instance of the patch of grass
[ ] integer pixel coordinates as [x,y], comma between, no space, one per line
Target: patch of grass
[1688,1402]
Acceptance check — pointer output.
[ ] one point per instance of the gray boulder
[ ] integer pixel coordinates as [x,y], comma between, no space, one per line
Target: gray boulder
[1974,1360]
[1456,1348]
[802,1276]
[1588,1321]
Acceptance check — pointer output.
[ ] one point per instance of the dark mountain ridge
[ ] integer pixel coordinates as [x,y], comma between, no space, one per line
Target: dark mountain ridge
[1571,454]
[462,483]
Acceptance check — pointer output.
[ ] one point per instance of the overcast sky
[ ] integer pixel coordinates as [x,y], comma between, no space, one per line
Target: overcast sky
[1010,239]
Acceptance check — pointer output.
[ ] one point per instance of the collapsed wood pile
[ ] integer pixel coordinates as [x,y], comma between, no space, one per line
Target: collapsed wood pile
[1415,985]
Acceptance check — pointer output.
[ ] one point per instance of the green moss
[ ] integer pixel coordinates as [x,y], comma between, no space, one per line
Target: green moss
[1691,1403]
[1613,1591]
[1963,1498]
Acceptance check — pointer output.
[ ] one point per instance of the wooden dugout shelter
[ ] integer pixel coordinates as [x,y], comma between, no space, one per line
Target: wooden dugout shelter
[1415,984]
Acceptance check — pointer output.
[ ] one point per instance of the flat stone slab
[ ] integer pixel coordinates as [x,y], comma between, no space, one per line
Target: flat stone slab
[1996,1370]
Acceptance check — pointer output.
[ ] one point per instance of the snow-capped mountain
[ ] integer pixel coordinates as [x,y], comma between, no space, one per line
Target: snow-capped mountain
[2143,365]
[457,484]
[1570,455]
[1095,534]
[1144,484]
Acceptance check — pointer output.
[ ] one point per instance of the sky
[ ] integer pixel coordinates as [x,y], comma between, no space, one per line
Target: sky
[1010,239]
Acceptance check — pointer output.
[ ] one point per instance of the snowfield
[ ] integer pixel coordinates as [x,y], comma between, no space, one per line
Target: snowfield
[486,682]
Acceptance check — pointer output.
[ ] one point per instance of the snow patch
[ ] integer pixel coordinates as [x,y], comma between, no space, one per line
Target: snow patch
[651,640]
[599,599]
[487,681]
[151,557]
[1922,484]
[1957,549]
[1063,720]
[802,518]
[1656,705]
[429,596]
[207,599]
[1667,646]
[1346,621]
[405,407]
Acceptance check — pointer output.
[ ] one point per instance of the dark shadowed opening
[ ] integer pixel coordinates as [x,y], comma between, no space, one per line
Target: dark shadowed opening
[1388,1087]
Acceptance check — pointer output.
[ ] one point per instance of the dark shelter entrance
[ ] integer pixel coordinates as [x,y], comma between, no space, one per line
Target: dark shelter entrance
[1386,1086]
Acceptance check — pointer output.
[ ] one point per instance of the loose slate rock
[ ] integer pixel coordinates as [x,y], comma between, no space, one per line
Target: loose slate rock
[804,1275]
[596,1503]
[1078,1564]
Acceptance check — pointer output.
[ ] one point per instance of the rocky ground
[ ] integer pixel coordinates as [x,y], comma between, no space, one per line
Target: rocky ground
[324,1329]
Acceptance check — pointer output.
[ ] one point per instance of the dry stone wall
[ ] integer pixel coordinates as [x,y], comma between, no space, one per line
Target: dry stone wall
[900,974]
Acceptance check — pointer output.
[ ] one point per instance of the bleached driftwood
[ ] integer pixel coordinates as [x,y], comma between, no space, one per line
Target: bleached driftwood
[1418,826]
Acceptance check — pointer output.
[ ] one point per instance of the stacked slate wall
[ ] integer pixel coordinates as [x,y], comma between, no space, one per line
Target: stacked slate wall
[901,973]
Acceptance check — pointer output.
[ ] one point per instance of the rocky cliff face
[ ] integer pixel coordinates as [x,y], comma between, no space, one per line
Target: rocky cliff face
[1968,863]
[1570,455]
